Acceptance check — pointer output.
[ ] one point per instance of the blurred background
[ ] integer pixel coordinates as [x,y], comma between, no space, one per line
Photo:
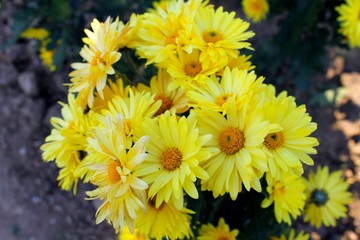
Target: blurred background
[298,49]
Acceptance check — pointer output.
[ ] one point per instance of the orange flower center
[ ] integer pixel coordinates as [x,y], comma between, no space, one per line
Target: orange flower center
[212,36]
[166,104]
[278,188]
[222,99]
[171,159]
[192,69]
[223,238]
[113,175]
[97,60]
[171,40]
[274,140]
[257,6]
[231,140]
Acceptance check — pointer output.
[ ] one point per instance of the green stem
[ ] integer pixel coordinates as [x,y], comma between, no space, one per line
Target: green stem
[123,77]
[132,64]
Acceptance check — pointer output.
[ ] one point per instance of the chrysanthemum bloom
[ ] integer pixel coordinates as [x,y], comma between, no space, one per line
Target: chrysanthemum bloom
[66,141]
[121,192]
[255,10]
[220,34]
[240,62]
[215,92]
[288,196]
[292,236]
[350,21]
[238,137]
[134,108]
[327,197]
[166,30]
[175,152]
[100,52]
[166,221]
[174,99]
[125,234]
[222,231]
[288,147]
[188,71]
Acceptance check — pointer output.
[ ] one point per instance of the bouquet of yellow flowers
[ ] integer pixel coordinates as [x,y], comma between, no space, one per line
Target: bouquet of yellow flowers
[204,123]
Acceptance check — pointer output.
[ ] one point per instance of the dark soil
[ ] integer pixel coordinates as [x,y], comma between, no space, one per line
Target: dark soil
[33,207]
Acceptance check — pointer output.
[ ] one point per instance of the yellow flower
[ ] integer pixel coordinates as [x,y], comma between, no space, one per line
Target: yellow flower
[35,33]
[327,197]
[125,234]
[288,196]
[66,142]
[292,236]
[222,231]
[166,221]
[240,62]
[220,34]
[47,56]
[187,70]
[349,18]
[166,30]
[175,99]
[255,10]
[175,152]
[290,144]
[100,52]
[214,93]
[237,138]
[121,192]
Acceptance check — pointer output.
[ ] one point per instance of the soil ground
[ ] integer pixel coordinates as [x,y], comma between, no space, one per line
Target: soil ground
[33,207]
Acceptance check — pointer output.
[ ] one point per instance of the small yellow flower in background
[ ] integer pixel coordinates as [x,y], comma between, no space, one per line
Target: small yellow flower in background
[166,221]
[175,152]
[255,10]
[125,234]
[47,57]
[220,35]
[349,18]
[100,52]
[35,33]
[292,236]
[288,196]
[289,146]
[66,142]
[175,99]
[222,231]
[121,192]
[327,197]
[238,138]
[214,93]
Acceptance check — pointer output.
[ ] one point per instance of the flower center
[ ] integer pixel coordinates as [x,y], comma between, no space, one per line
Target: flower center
[278,188]
[97,60]
[222,99]
[166,104]
[257,6]
[171,40]
[171,159]
[192,69]
[319,197]
[274,140]
[113,174]
[223,238]
[231,140]
[212,36]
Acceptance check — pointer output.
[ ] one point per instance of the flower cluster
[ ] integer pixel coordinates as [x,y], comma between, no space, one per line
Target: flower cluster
[205,122]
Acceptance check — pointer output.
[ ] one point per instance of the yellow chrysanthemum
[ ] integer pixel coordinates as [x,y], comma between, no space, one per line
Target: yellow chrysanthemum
[100,52]
[214,93]
[240,62]
[166,221]
[327,197]
[222,231]
[175,99]
[288,147]
[288,196]
[220,34]
[167,29]
[121,192]
[175,152]
[187,70]
[35,33]
[47,57]
[292,236]
[125,234]
[238,138]
[255,10]
[134,108]
[350,21]
[66,142]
